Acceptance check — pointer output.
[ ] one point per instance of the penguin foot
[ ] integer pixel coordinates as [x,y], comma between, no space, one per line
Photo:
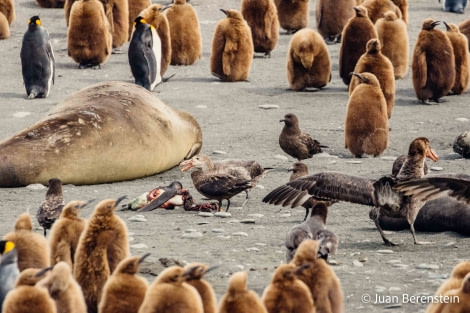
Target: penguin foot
[32,94]
[165,79]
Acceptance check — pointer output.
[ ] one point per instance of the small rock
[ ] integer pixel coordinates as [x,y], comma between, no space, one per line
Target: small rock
[354,162]
[281,157]
[385,251]
[190,230]
[393,261]
[424,266]
[354,253]
[139,246]
[130,238]
[248,221]
[36,187]
[201,106]
[223,214]
[436,168]
[379,289]
[252,249]
[205,214]
[357,263]
[202,223]
[399,265]
[260,244]
[255,215]
[452,243]
[461,119]
[21,114]
[223,237]
[260,187]
[363,259]
[393,306]
[240,233]
[388,232]
[218,230]
[268,106]
[219,152]
[195,234]
[286,215]
[388,158]
[137,218]
[394,289]
[241,267]
[419,123]
[333,262]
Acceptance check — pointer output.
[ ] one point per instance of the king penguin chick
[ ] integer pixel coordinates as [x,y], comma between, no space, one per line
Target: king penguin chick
[89,36]
[26,297]
[464,28]
[238,298]
[170,293]
[4,27]
[8,268]
[331,16]
[366,126]
[144,55]
[136,8]
[66,232]
[63,288]
[261,16]
[460,47]
[205,290]
[322,281]
[375,8]
[433,63]
[103,244]
[308,61]
[295,142]
[124,290]
[51,208]
[393,35]
[7,7]
[460,299]
[373,61]
[356,33]
[37,60]
[33,249]
[154,15]
[185,32]
[232,48]
[286,293]
[293,14]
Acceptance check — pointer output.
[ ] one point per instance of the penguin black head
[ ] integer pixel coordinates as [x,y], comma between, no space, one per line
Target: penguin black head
[34,20]
[139,20]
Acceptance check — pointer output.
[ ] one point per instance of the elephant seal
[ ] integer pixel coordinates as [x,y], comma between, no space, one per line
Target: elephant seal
[107,132]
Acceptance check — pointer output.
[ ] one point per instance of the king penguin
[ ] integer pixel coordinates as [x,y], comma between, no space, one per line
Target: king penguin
[8,268]
[37,60]
[145,53]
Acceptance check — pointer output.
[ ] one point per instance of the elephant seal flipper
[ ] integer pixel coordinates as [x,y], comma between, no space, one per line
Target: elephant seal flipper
[107,132]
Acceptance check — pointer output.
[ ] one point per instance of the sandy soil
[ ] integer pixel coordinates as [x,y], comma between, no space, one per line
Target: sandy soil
[232,121]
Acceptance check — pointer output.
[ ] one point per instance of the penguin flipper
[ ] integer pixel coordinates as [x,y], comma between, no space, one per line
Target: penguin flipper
[162,198]
[422,69]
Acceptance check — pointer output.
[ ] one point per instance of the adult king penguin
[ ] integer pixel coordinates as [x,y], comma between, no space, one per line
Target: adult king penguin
[145,53]
[37,60]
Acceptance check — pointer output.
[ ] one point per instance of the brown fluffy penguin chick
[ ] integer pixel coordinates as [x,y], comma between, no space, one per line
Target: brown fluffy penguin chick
[4,27]
[453,282]
[308,61]
[26,297]
[464,28]
[376,8]
[124,290]
[293,14]
[261,16]
[51,207]
[185,32]
[373,61]
[102,245]
[232,48]
[7,7]
[458,300]
[238,298]
[33,249]
[366,126]
[51,3]
[119,21]
[432,63]
[461,55]
[154,16]
[331,16]
[65,233]
[63,288]
[287,293]
[322,281]
[357,32]
[393,35]
[170,293]
[135,8]
[205,290]
[295,142]
[89,38]
[403,6]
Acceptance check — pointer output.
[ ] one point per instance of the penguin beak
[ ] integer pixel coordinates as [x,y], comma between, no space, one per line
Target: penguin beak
[447,25]
[165,7]
[43,271]
[225,12]
[358,76]
[302,268]
[86,203]
[120,199]
[211,269]
[356,9]
[189,271]
[435,23]
[142,258]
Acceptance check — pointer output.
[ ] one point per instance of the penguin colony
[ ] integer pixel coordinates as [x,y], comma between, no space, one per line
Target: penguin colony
[285,276]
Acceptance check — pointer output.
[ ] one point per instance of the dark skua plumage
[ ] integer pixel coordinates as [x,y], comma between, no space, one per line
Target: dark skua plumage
[295,142]
[51,208]
[377,193]
[462,144]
